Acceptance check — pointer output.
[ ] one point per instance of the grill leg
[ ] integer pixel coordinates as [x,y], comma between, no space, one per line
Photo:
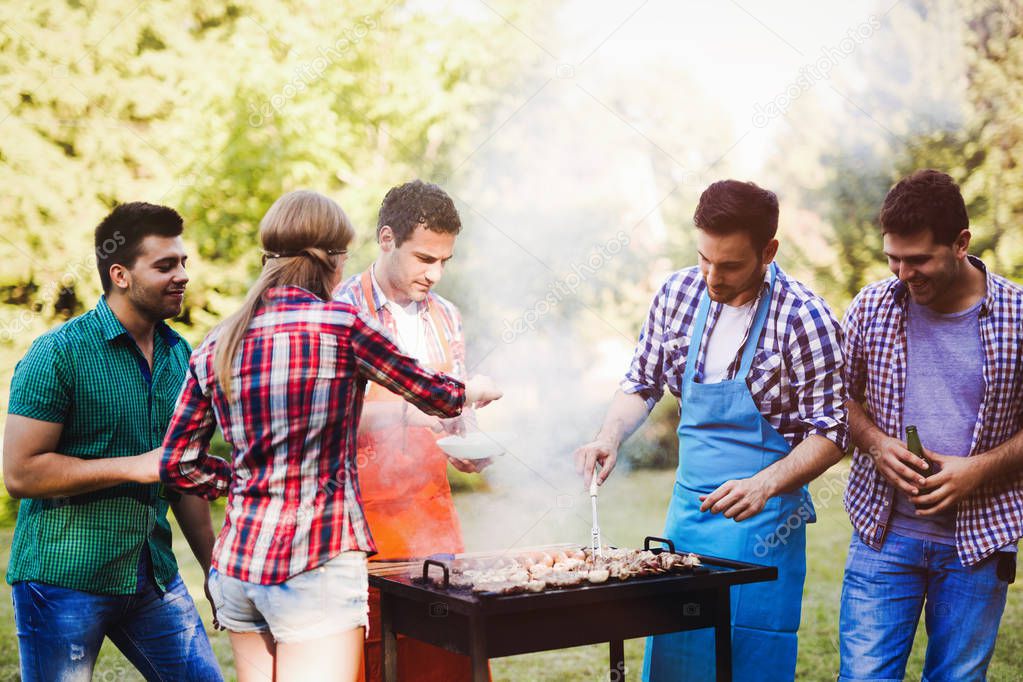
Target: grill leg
[478,650]
[617,661]
[389,663]
[723,635]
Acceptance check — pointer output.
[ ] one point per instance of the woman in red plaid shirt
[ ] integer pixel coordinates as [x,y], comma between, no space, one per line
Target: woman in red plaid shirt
[284,377]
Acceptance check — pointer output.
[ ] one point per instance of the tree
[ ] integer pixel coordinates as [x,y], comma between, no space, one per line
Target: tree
[904,108]
[994,175]
[216,108]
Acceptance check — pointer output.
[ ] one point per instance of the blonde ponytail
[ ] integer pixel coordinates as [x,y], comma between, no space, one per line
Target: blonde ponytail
[303,235]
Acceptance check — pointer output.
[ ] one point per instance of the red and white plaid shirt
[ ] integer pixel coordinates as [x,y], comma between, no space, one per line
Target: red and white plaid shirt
[875,375]
[297,389]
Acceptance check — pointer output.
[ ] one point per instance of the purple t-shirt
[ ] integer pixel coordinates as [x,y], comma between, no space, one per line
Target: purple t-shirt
[944,388]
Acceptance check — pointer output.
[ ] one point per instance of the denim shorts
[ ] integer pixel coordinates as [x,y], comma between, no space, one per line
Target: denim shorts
[323,601]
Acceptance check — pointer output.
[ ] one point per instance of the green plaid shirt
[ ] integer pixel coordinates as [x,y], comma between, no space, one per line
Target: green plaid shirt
[90,376]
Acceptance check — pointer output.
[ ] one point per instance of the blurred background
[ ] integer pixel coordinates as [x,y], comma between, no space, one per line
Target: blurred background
[575,138]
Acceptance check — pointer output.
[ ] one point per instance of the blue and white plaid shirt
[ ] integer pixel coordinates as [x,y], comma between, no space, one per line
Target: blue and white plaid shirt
[796,378]
[875,372]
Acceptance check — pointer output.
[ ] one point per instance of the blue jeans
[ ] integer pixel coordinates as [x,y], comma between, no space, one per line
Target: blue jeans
[883,593]
[60,631]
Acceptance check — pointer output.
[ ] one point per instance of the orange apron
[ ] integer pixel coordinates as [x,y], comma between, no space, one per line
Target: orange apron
[403,477]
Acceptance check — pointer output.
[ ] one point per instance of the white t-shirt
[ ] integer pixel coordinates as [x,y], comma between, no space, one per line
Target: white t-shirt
[409,325]
[725,340]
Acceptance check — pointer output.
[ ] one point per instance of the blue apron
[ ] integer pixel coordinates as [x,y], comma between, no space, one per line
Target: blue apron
[723,436]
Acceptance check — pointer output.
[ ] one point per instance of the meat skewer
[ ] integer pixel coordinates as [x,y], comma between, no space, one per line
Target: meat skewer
[595,542]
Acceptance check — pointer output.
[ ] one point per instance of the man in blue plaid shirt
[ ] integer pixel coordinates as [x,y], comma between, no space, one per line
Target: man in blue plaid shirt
[936,346]
[754,358]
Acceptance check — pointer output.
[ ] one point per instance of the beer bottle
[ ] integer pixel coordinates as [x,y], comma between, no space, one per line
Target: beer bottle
[914,445]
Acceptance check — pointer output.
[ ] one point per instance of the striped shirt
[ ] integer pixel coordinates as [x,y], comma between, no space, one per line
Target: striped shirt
[795,380]
[297,390]
[875,372]
[450,326]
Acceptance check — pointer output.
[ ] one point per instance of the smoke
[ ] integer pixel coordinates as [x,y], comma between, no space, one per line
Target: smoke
[568,212]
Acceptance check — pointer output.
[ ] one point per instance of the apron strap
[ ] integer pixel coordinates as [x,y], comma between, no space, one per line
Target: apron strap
[697,340]
[436,315]
[751,340]
[366,280]
[442,337]
[757,328]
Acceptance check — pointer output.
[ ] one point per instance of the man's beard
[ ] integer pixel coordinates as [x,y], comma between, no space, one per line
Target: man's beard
[152,304]
[750,284]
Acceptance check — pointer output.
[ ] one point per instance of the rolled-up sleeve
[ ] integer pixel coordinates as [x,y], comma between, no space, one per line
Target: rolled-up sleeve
[646,372]
[815,352]
[854,367]
[186,464]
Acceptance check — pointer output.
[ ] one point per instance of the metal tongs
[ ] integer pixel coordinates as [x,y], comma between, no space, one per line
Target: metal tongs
[595,543]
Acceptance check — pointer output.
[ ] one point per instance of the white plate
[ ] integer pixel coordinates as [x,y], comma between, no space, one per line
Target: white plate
[475,445]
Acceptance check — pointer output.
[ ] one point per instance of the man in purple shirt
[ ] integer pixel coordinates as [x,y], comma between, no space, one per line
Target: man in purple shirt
[934,347]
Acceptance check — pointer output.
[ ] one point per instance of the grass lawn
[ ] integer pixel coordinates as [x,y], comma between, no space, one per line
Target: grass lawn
[631,507]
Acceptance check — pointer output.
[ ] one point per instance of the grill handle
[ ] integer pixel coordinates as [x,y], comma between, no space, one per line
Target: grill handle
[443,567]
[654,538]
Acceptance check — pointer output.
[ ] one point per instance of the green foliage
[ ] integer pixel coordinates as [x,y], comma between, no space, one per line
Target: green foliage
[216,108]
[956,110]
[994,182]
[853,194]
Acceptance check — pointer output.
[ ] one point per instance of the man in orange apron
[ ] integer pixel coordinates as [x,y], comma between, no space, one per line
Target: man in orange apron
[402,472]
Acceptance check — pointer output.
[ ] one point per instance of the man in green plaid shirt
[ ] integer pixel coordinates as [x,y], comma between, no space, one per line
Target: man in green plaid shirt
[89,405]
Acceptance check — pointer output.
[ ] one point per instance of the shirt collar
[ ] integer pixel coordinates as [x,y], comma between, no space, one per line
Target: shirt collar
[113,329]
[289,292]
[899,289]
[380,298]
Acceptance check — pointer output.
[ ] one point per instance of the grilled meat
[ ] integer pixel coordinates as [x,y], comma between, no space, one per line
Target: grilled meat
[536,571]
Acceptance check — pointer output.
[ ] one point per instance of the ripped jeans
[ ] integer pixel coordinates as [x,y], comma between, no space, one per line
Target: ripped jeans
[60,631]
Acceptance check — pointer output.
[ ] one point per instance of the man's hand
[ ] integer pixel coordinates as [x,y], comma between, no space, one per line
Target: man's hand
[894,462]
[470,466]
[956,479]
[602,451]
[626,412]
[739,499]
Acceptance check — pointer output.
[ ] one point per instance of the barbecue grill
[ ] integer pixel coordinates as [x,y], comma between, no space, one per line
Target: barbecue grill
[489,625]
